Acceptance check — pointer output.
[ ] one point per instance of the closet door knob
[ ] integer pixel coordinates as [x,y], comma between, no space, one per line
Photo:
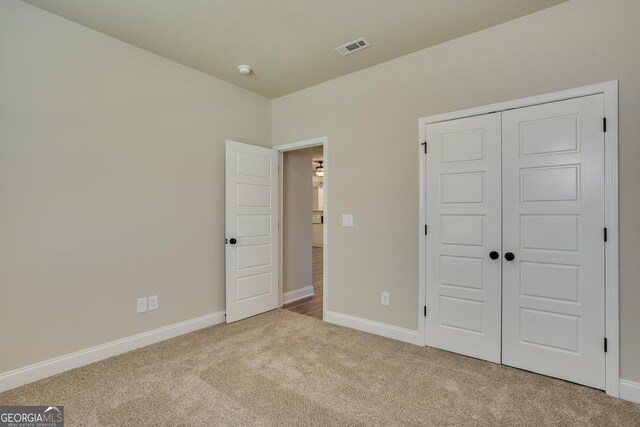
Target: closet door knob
[494,255]
[233,241]
[509,256]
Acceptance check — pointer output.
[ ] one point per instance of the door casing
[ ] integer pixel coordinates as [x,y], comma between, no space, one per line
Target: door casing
[610,92]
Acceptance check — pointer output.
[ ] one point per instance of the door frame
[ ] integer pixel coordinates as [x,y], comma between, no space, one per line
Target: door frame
[612,293]
[281,149]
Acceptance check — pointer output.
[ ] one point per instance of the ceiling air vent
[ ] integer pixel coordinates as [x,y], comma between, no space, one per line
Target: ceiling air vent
[353,46]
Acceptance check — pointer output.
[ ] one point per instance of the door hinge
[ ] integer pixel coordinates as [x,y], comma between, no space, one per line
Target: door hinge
[604,124]
[605,234]
[425,311]
[424,144]
[605,345]
[425,229]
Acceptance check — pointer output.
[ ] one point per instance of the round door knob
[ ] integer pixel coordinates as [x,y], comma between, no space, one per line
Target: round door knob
[509,256]
[233,241]
[494,255]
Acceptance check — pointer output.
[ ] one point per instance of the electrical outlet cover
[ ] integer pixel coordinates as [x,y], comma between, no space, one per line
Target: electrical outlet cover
[142,305]
[153,303]
[384,298]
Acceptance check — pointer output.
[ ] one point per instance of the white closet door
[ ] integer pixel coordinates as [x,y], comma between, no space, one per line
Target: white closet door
[553,216]
[463,218]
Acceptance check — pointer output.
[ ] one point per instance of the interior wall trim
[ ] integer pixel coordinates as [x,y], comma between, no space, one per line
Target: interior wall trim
[297,294]
[38,371]
[397,333]
[630,390]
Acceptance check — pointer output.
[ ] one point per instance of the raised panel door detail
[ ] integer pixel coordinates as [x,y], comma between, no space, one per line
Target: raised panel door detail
[253,226]
[549,136]
[254,165]
[254,256]
[254,286]
[462,187]
[461,313]
[464,146]
[463,213]
[461,271]
[253,196]
[251,213]
[462,230]
[553,216]
[559,331]
[550,232]
[553,281]
[543,198]
[550,184]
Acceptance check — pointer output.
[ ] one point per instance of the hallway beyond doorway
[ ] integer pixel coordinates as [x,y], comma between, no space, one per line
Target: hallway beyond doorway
[311,306]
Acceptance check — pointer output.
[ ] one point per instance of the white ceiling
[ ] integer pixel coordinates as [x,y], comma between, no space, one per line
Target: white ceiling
[289,43]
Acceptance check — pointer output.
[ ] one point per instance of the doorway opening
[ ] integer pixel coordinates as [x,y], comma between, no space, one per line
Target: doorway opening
[302,223]
[303,227]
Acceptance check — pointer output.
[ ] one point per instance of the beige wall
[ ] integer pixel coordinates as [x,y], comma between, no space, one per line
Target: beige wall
[112,168]
[297,200]
[371,117]
[111,185]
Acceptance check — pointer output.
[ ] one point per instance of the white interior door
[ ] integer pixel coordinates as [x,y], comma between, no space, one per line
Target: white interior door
[463,220]
[553,220]
[251,221]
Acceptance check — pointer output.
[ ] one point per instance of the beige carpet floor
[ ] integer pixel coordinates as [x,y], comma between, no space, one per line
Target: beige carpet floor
[286,369]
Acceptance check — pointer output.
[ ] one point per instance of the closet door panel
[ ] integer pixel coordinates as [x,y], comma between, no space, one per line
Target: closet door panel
[553,219]
[463,217]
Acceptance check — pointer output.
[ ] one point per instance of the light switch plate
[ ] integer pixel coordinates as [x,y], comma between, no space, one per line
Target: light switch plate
[347,220]
[153,303]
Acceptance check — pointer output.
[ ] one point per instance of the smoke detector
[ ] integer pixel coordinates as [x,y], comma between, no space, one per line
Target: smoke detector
[244,69]
[353,46]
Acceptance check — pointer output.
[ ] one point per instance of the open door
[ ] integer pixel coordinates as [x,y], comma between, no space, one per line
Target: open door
[251,224]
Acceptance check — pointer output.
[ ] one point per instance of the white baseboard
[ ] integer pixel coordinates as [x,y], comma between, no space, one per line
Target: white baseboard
[297,294]
[38,371]
[630,390]
[377,328]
